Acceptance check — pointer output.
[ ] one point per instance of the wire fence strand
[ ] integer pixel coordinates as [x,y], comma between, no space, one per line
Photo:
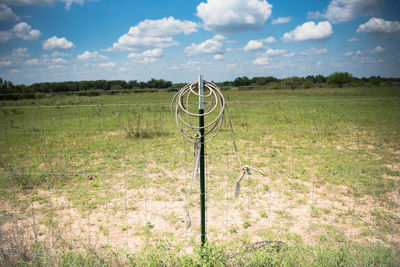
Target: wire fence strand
[116,175]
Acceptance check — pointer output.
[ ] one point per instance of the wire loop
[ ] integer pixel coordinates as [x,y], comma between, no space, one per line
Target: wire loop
[180,108]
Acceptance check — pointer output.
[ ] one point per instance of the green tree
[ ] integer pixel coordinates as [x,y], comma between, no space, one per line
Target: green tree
[242,81]
[375,80]
[292,82]
[339,78]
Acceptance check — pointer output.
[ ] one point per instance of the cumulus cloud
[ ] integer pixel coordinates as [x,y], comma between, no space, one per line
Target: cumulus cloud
[27,2]
[345,10]
[274,52]
[226,16]
[269,40]
[58,54]
[68,3]
[210,46]
[91,56]
[289,55]
[59,60]
[218,57]
[107,65]
[309,31]
[315,51]
[147,56]
[352,40]
[55,43]
[378,25]
[154,34]
[6,13]
[24,31]
[20,52]
[265,58]
[378,50]
[5,63]
[253,45]
[33,61]
[5,36]
[21,30]
[281,20]
[262,60]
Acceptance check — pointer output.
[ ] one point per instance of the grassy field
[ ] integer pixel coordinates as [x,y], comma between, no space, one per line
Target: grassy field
[112,173]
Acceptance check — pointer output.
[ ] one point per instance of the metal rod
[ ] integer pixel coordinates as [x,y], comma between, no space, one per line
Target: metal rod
[202,172]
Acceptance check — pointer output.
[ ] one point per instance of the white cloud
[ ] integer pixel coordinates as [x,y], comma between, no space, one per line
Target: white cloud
[352,40]
[5,63]
[289,55]
[20,52]
[315,51]
[281,20]
[24,31]
[367,60]
[210,46]
[59,60]
[55,43]
[309,31]
[58,54]
[218,57]
[219,37]
[107,65]
[91,56]
[378,25]
[5,36]
[33,61]
[345,10]
[261,60]
[274,52]
[154,34]
[191,63]
[378,50]
[6,13]
[147,56]
[27,2]
[269,40]
[234,15]
[68,3]
[51,67]
[253,45]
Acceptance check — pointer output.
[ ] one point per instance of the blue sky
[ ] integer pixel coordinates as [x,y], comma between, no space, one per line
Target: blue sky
[61,40]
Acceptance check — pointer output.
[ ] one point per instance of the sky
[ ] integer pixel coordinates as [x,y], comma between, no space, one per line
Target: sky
[73,40]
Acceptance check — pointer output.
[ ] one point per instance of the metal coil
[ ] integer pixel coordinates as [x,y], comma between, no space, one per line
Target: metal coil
[180,108]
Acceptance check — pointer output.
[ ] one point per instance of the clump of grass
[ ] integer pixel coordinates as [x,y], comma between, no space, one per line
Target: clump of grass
[263,214]
[266,253]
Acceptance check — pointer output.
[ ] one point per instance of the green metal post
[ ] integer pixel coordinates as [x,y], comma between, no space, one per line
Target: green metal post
[202,172]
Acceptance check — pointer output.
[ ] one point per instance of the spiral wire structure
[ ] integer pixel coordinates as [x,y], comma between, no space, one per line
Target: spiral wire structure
[180,109]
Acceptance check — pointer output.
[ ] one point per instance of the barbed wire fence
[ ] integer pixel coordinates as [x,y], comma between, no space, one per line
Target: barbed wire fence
[115,176]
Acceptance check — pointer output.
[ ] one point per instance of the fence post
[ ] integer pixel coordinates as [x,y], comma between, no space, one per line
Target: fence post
[202,173]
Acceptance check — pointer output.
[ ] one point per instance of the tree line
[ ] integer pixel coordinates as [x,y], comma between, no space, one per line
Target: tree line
[335,79]
[9,91]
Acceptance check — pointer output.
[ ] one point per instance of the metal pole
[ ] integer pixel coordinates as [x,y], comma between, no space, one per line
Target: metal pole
[202,172]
